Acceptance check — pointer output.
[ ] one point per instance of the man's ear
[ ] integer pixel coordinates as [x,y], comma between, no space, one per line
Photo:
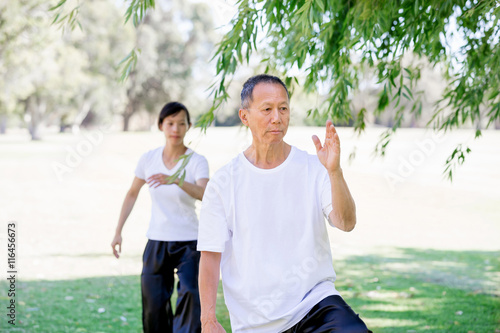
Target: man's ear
[243,114]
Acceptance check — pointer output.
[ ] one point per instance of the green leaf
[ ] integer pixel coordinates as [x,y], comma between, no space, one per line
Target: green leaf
[56,18]
[359,123]
[383,101]
[304,8]
[409,92]
[62,2]
[320,4]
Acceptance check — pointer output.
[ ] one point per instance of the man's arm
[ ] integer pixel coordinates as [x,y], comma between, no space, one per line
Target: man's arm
[343,216]
[208,283]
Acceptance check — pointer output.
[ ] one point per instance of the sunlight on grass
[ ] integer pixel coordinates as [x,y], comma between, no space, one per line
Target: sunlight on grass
[391,307]
[390,301]
[394,323]
[106,304]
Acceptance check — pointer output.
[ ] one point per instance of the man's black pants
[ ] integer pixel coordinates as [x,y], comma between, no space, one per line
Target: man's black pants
[157,284]
[332,314]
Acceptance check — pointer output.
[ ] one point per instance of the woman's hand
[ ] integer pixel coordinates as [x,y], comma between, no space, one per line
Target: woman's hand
[160,179]
[117,241]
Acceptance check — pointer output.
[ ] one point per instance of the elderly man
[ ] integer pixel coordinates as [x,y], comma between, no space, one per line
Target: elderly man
[262,225]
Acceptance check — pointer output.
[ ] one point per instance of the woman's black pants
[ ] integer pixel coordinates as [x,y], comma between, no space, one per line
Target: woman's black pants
[157,284]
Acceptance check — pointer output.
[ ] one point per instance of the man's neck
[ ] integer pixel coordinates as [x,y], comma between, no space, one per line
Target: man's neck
[267,156]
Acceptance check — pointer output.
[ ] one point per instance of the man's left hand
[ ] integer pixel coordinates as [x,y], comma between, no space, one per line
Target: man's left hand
[329,153]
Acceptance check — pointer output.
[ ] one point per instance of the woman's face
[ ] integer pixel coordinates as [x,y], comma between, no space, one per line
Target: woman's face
[175,127]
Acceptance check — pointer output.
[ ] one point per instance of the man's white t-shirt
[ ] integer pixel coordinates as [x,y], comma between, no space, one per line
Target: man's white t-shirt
[269,225]
[173,215]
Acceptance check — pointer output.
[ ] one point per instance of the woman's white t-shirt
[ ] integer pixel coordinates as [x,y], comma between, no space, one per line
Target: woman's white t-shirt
[173,215]
[269,225]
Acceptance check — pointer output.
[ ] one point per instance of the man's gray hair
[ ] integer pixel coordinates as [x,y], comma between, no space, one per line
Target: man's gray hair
[247,91]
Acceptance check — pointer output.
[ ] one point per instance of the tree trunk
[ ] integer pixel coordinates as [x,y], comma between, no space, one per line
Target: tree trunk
[3,123]
[131,104]
[34,109]
[126,120]
[84,111]
[130,109]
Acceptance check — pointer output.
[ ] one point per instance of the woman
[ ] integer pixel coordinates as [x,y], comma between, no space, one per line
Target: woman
[173,227]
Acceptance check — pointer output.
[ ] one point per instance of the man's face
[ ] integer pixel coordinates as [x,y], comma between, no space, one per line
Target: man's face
[268,114]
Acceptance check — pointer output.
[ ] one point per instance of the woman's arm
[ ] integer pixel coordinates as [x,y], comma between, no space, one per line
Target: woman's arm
[128,204]
[195,190]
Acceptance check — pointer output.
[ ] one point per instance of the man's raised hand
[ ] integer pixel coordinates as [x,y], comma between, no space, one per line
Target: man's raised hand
[329,153]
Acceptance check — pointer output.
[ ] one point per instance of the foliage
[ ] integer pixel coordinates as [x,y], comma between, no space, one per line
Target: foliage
[174,42]
[35,63]
[329,41]
[170,44]
[59,60]
[325,44]
[59,78]
[103,39]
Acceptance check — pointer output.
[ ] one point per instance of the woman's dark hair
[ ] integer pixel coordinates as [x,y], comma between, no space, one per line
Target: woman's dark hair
[170,109]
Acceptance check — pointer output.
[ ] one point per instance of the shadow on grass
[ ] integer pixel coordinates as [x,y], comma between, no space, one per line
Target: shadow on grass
[101,304]
[410,290]
[401,290]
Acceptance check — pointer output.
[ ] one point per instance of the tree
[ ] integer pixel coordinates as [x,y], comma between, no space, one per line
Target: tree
[103,39]
[174,41]
[34,64]
[330,41]
[61,76]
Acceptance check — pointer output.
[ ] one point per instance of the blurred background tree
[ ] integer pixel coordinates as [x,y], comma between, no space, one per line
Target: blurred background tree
[35,64]
[175,43]
[67,75]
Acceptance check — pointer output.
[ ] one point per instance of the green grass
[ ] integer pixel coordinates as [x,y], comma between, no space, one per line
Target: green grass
[77,305]
[408,290]
[403,290]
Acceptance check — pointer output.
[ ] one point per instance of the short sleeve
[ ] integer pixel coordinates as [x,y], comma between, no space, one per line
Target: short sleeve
[326,196]
[201,170]
[140,169]
[213,231]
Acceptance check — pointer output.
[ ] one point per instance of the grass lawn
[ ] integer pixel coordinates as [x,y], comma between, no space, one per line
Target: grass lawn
[105,304]
[424,255]
[389,295]
[424,290]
